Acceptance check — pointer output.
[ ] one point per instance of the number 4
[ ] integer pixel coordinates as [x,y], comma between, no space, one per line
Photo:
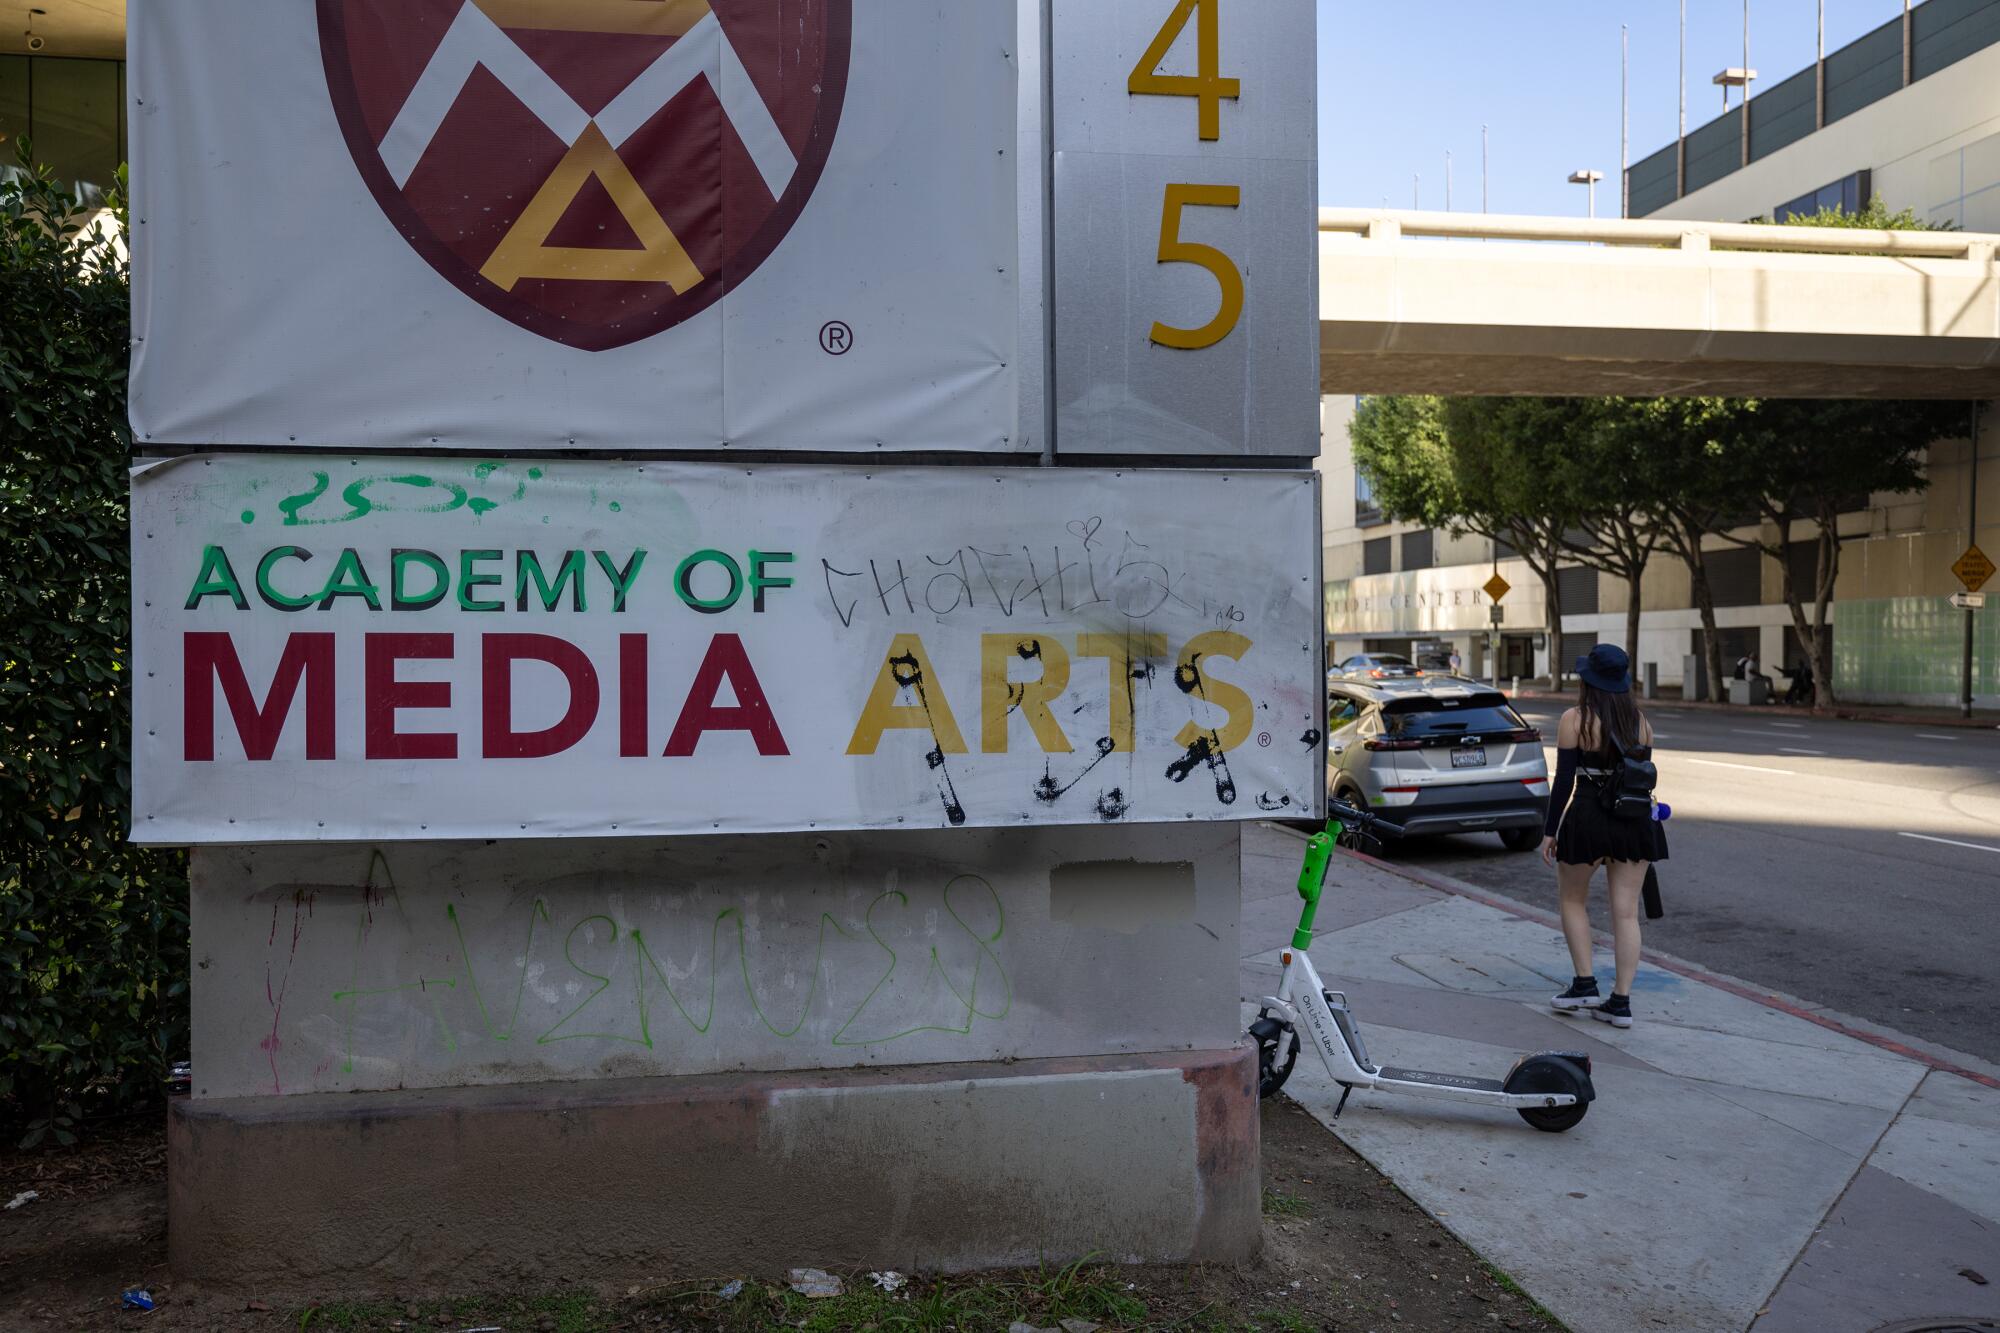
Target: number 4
[1205,85]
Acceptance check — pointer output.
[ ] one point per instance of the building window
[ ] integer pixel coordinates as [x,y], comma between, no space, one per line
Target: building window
[74,112]
[1849,194]
[1375,556]
[1419,550]
[1576,590]
[1366,510]
[1735,575]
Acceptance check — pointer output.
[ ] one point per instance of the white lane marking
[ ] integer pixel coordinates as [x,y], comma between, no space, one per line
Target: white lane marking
[1933,736]
[1747,768]
[1793,726]
[1950,842]
[1786,749]
[1746,731]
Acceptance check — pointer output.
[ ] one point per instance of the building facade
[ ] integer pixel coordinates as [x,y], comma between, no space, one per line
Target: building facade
[1909,115]
[62,86]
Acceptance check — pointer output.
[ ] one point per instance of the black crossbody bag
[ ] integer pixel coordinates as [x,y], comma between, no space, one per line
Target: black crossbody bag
[1627,793]
[1627,790]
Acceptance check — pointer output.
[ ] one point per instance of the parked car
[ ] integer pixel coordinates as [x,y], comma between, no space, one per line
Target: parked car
[1437,756]
[1375,666]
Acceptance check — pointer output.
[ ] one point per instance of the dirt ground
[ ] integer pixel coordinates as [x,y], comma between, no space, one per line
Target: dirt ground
[1343,1250]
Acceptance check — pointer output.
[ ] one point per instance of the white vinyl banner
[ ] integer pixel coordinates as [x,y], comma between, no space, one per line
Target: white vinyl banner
[370,648]
[590,224]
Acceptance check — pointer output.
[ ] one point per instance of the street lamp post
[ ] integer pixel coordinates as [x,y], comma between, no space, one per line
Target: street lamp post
[1624,121]
[1588,178]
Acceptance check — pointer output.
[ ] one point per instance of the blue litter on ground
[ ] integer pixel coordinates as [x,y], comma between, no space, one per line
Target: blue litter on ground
[136,1299]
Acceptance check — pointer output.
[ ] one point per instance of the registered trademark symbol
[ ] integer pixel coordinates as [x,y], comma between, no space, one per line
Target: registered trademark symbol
[1264,739]
[835,338]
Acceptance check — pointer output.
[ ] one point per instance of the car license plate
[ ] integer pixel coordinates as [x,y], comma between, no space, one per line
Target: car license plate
[1469,756]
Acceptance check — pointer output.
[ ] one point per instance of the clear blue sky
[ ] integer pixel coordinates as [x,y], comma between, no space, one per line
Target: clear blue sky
[1402,81]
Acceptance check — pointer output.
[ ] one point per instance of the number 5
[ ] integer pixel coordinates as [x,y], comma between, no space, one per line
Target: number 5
[1173,250]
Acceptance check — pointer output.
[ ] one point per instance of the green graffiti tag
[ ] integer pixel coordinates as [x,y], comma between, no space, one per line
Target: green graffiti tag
[936,968]
[379,891]
[400,493]
[985,994]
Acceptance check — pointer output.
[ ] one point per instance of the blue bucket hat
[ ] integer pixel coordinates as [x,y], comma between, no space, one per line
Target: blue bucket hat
[1607,668]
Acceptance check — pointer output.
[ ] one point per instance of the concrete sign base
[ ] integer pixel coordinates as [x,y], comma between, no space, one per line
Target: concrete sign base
[934,1167]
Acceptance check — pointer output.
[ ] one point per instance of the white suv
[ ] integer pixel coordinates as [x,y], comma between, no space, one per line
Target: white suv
[1437,756]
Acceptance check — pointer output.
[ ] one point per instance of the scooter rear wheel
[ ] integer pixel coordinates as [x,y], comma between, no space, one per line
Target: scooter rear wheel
[1552,1074]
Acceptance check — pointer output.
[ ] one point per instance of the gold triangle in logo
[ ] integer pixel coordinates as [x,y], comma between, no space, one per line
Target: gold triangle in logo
[524,252]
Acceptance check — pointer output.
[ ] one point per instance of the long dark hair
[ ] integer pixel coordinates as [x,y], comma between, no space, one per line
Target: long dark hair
[1608,717]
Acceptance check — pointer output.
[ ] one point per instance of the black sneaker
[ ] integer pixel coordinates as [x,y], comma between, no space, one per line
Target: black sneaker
[1582,994]
[1617,1011]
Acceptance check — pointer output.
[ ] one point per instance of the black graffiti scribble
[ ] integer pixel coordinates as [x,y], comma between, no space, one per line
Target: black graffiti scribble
[1111,805]
[908,675]
[1264,801]
[1207,747]
[1311,738]
[1048,792]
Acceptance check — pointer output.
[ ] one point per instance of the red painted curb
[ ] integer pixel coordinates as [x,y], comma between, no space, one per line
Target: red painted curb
[1526,913]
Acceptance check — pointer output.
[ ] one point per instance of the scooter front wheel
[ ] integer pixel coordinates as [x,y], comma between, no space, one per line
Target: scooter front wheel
[1269,1034]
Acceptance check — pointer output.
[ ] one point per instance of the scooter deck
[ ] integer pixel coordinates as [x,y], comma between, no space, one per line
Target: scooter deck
[1448,1080]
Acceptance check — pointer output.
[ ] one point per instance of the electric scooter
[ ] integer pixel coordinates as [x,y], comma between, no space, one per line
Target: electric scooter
[1552,1090]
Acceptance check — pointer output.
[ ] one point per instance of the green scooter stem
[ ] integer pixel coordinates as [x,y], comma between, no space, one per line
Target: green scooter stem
[1312,878]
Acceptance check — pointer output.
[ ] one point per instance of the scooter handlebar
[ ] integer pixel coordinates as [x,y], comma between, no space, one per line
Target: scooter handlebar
[1350,814]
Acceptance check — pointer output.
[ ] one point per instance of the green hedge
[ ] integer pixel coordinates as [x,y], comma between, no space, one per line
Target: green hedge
[93,931]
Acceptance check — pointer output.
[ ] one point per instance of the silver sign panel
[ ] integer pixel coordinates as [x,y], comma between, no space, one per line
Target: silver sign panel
[1186,284]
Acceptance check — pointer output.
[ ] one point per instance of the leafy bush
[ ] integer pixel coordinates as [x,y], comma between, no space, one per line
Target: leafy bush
[93,931]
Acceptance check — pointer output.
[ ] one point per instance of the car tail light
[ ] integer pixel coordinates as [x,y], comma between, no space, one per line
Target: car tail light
[1525,736]
[1384,743]
[1377,673]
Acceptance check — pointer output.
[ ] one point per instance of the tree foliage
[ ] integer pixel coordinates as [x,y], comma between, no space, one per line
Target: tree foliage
[93,931]
[1803,463]
[1607,482]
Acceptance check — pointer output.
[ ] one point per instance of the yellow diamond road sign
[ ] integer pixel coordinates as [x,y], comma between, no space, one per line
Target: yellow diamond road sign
[1497,587]
[1973,569]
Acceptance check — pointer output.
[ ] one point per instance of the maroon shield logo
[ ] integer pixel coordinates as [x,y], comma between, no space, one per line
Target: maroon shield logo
[593,170]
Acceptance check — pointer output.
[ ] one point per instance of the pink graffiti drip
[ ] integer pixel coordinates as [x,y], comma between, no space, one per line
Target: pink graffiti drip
[271,1044]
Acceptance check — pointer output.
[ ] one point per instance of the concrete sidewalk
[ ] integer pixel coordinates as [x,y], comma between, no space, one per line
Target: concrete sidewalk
[1742,1165]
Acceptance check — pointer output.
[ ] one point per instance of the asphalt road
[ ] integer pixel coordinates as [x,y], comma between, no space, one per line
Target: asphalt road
[1856,865]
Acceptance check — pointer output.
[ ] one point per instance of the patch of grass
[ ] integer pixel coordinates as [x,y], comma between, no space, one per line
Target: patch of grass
[1045,1296]
[574,1312]
[1509,1285]
[345,1315]
[1279,1204]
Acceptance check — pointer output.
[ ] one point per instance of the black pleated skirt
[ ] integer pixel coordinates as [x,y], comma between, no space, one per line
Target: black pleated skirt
[1589,836]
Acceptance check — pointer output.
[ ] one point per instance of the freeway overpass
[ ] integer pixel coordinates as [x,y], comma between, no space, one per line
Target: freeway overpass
[1460,303]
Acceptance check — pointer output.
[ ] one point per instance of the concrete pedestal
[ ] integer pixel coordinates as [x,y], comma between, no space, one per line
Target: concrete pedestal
[925,1167]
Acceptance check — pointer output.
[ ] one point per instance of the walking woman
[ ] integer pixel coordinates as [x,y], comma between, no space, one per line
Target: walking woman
[1584,831]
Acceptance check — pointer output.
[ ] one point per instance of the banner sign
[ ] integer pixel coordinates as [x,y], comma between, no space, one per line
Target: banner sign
[599,224]
[371,648]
